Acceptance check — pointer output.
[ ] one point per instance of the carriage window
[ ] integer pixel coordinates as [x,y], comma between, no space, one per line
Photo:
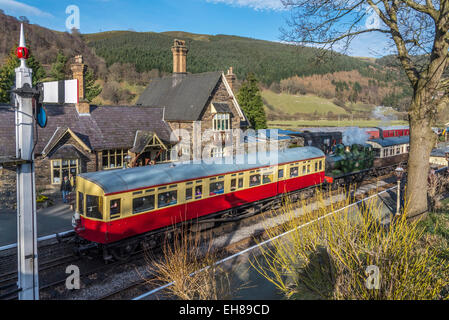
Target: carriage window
[316,166]
[321,165]
[377,153]
[240,183]
[294,172]
[189,194]
[308,168]
[216,188]
[166,199]
[114,208]
[93,207]
[267,177]
[198,192]
[254,180]
[398,150]
[303,170]
[280,173]
[80,203]
[233,184]
[143,204]
[391,151]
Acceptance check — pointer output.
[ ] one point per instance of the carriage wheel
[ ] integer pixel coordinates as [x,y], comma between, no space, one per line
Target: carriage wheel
[124,252]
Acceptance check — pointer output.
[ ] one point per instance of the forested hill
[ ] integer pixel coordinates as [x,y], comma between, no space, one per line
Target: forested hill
[270,61]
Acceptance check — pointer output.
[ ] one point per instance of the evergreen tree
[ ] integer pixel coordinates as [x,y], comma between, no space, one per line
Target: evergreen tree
[7,73]
[58,68]
[250,100]
[91,89]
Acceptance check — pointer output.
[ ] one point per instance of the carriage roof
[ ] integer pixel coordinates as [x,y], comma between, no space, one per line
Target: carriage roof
[141,177]
[393,141]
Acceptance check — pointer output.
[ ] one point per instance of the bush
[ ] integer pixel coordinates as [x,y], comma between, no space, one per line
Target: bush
[333,258]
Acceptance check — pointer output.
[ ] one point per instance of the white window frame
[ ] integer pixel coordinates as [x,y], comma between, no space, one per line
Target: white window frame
[60,168]
[221,118]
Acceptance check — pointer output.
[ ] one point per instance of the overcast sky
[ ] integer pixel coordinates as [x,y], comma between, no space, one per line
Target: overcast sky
[260,19]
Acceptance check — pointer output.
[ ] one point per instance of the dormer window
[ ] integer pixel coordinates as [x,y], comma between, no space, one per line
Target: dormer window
[222,122]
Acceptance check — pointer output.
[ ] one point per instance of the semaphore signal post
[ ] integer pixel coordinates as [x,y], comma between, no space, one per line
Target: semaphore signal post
[27,255]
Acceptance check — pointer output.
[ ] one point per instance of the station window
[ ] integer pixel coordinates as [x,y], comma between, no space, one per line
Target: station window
[233,184]
[240,183]
[93,207]
[216,188]
[166,199]
[294,172]
[114,206]
[62,168]
[143,204]
[80,203]
[113,159]
[198,192]
[280,173]
[221,121]
[267,177]
[254,180]
[189,195]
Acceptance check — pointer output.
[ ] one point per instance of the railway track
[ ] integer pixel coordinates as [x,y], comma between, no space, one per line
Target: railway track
[53,277]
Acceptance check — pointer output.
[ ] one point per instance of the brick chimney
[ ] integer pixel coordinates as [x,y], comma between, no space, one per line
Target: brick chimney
[230,77]
[78,69]
[180,51]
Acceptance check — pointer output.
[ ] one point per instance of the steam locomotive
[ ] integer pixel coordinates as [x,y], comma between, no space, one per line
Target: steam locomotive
[376,153]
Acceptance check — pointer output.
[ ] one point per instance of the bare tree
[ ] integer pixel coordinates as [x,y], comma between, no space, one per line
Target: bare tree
[418,31]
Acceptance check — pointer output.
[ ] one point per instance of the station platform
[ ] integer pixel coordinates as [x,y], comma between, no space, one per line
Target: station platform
[55,219]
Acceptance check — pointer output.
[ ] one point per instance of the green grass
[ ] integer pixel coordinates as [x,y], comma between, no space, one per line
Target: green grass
[292,104]
[436,226]
[330,123]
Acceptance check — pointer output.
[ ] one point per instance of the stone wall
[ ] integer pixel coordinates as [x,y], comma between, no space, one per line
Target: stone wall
[8,196]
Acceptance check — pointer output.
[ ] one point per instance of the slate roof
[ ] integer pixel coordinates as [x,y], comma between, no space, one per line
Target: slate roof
[107,127]
[439,152]
[221,107]
[134,178]
[183,98]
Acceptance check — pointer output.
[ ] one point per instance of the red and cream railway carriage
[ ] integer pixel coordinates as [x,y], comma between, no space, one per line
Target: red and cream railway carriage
[124,204]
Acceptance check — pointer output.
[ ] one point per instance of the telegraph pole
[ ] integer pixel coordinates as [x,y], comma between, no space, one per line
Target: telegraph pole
[27,260]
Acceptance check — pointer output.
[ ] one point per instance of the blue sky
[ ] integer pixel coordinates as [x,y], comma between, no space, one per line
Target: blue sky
[260,19]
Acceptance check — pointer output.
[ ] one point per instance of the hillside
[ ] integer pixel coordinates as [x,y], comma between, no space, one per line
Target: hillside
[270,61]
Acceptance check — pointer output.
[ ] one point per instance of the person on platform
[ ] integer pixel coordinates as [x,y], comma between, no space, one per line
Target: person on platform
[66,188]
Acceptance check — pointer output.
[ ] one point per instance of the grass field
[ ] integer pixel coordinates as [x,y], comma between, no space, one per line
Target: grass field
[292,104]
[331,123]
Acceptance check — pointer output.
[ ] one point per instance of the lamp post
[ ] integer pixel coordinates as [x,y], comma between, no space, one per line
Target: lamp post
[398,172]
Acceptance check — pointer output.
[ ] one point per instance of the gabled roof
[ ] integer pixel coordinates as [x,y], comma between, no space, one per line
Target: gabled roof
[58,135]
[183,97]
[107,127]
